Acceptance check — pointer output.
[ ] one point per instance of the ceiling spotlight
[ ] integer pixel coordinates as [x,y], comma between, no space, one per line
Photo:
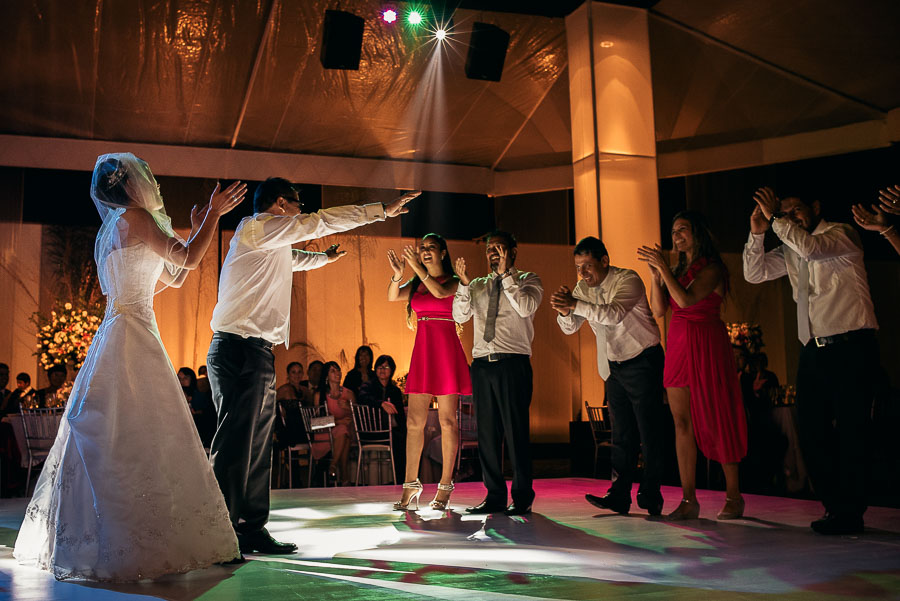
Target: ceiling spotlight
[440,34]
[389,16]
[606,44]
[414,17]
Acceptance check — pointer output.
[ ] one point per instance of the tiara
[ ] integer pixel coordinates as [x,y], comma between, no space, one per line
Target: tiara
[116,176]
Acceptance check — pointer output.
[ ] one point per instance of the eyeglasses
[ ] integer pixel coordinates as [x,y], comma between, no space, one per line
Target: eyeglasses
[293,200]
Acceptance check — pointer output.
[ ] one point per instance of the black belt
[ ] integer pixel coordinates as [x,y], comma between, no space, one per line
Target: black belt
[248,339]
[821,341]
[492,357]
[646,351]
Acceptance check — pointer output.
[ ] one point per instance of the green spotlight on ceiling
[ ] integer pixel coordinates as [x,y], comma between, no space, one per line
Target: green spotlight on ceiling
[414,17]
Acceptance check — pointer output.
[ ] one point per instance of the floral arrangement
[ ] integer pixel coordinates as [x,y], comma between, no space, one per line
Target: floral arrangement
[64,337]
[746,336]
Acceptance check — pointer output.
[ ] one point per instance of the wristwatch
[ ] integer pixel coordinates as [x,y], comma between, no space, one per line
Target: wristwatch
[776,216]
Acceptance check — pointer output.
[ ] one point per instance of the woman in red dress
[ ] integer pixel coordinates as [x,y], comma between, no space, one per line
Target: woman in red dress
[438,367]
[700,374]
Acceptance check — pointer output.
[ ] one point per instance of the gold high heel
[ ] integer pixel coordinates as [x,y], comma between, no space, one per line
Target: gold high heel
[416,487]
[439,503]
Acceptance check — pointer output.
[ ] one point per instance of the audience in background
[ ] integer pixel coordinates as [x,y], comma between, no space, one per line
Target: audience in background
[383,393]
[362,370]
[201,405]
[22,396]
[4,381]
[337,398]
[47,397]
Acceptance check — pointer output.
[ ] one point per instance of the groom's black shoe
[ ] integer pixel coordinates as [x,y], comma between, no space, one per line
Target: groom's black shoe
[262,542]
[487,507]
[652,502]
[233,562]
[611,501]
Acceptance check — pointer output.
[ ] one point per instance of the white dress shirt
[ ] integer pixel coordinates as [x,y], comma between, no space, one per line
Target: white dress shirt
[514,330]
[618,307]
[255,286]
[839,299]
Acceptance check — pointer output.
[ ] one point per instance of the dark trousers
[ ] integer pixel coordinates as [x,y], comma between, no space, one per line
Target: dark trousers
[242,378]
[634,395]
[501,393]
[835,391]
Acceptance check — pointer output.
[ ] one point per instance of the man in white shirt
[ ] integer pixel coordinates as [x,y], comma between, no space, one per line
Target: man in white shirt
[503,304]
[630,360]
[836,325]
[250,318]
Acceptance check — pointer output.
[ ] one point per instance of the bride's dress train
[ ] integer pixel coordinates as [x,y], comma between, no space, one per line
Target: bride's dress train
[127,492]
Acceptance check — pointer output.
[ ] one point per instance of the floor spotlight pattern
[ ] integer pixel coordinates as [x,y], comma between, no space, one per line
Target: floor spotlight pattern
[353,546]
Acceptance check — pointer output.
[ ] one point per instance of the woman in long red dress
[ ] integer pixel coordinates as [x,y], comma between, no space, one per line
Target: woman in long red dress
[700,374]
[438,366]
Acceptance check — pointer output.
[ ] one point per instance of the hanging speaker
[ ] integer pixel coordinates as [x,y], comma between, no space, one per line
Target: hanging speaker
[487,52]
[342,36]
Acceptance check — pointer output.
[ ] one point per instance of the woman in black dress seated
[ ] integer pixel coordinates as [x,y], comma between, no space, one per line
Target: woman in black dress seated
[382,392]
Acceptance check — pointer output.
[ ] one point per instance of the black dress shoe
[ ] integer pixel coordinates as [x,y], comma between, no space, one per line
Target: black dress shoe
[486,507]
[610,501]
[262,542]
[652,502]
[836,523]
[516,509]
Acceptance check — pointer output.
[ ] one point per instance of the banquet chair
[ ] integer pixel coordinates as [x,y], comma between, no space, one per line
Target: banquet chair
[317,436]
[601,429]
[298,445]
[373,434]
[468,429]
[40,427]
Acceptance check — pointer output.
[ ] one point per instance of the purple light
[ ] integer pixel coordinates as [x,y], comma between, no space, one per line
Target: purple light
[389,16]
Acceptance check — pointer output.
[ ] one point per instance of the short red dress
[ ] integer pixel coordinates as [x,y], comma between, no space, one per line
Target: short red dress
[699,357]
[438,365]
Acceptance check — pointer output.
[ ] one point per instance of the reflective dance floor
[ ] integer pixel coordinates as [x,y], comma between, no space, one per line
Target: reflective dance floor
[352,546]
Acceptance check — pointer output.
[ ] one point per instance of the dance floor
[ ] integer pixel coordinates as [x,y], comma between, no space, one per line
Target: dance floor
[352,546]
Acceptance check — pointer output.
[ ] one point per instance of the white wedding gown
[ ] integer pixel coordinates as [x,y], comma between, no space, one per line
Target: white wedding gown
[127,492]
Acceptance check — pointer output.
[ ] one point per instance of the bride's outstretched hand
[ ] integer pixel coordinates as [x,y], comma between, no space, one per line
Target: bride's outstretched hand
[223,201]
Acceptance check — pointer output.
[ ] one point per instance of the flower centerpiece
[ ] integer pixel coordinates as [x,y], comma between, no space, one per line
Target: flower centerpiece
[747,337]
[63,338]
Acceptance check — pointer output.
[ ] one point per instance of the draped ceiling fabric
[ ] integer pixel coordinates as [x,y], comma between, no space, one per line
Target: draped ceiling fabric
[181,72]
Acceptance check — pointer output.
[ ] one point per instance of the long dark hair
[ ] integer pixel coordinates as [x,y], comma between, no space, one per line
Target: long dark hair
[324,388]
[446,265]
[371,357]
[192,377]
[704,241]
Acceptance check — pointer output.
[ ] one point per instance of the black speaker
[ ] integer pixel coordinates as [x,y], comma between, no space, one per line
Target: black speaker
[342,36]
[487,51]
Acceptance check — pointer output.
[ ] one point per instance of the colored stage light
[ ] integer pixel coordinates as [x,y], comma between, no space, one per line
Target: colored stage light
[414,17]
[389,16]
[440,34]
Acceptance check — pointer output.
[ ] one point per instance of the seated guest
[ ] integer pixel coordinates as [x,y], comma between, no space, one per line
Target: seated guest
[203,381]
[337,398]
[202,408]
[313,375]
[289,397]
[382,392]
[362,370]
[47,396]
[23,395]
[294,388]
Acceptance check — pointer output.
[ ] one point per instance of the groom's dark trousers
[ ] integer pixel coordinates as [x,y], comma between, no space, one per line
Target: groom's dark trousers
[242,378]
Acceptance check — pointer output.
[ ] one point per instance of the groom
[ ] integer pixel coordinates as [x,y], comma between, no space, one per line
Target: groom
[250,318]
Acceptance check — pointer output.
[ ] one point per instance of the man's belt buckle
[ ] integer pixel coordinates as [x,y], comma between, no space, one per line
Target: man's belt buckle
[491,358]
[822,341]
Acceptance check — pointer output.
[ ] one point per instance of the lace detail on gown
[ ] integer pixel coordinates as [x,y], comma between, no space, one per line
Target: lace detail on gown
[127,492]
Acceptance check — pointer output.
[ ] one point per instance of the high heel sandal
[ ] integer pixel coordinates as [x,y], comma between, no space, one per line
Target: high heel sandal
[416,487]
[686,510]
[439,503]
[733,510]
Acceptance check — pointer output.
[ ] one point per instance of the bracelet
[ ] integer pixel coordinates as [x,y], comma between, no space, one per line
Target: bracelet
[887,231]
[396,281]
[427,275]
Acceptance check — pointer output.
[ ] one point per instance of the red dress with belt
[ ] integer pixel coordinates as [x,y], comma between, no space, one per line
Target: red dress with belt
[699,357]
[438,365]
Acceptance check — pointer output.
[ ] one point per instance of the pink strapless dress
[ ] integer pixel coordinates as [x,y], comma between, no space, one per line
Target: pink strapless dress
[438,365]
[699,357]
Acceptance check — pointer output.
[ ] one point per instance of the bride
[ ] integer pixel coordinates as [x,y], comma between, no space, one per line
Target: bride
[127,492]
